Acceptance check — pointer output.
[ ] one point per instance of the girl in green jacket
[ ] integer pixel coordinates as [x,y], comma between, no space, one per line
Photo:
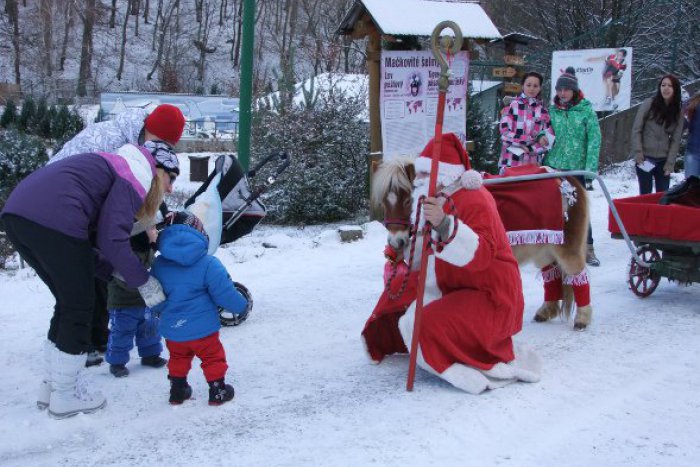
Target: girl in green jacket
[577,143]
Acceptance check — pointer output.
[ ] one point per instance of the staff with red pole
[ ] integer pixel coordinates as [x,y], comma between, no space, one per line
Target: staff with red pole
[450,46]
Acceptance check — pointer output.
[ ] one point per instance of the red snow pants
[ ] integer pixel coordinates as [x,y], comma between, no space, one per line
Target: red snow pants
[208,349]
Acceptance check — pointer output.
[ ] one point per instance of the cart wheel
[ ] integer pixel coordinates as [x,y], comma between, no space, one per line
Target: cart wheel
[642,280]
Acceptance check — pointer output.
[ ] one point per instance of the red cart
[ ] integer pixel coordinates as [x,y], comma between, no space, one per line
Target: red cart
[667,240]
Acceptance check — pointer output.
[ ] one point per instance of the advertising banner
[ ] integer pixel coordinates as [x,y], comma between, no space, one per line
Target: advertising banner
[409,98]
[604,75]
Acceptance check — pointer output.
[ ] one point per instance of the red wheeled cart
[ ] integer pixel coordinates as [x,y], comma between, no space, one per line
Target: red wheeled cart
[667,240]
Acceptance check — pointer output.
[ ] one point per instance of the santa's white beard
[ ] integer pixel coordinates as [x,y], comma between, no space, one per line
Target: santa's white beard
[420,188]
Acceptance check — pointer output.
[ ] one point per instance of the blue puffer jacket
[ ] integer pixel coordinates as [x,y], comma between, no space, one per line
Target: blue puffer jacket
[194,282]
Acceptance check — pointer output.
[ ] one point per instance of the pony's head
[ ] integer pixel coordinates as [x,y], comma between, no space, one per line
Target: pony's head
[392,187]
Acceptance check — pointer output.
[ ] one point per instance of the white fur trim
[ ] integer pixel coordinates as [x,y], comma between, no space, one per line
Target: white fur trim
[578,279]
[471,180]
[453,171]
[551,274]
[461,250]
[138,164]
[536,237]
[525,367]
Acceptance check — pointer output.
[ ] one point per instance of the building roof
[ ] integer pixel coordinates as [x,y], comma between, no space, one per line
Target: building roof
[419,17]
[518,37]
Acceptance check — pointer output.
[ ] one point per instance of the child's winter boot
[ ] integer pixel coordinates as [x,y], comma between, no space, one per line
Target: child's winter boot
[71,395]
[154,361]
[119,371]
[180,391]
[220,392]
[44,393]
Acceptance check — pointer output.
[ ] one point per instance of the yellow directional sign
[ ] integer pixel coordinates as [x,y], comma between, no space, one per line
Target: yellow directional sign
[513,60]
[504,72]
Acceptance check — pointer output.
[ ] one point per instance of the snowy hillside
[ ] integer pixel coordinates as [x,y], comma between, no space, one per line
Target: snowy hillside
[624,392]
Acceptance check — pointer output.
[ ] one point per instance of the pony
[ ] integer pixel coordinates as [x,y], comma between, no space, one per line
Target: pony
[563,265]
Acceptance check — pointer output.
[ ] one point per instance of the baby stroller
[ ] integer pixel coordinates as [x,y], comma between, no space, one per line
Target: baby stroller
[242,208]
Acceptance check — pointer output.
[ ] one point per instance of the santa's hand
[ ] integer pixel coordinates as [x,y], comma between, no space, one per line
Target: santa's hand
[432,211]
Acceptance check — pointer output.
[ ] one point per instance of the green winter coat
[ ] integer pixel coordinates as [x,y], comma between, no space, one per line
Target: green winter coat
[577,138]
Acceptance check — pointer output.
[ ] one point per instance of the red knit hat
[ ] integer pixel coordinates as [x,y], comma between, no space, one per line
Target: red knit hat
[166,122]
[454,161]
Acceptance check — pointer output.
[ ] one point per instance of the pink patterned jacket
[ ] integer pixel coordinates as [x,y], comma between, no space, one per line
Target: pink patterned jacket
[521,122]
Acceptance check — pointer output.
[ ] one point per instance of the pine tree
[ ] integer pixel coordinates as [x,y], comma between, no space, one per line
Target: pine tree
[9,115]
[60,123]
[26,115]
[37,123]
[484,157]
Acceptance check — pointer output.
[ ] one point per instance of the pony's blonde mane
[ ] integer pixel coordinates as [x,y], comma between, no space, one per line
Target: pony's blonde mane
[391,176]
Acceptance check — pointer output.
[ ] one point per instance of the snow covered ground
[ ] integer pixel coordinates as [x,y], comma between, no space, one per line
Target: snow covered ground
[624,392]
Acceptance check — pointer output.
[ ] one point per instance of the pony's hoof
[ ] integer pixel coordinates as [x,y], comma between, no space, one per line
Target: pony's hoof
[583,317]
[547,311]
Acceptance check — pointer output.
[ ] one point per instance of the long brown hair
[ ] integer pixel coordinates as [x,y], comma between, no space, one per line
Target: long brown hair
[666,114]
[154,197]
[692,106]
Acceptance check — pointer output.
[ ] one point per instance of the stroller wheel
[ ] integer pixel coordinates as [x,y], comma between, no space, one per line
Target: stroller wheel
[227,318]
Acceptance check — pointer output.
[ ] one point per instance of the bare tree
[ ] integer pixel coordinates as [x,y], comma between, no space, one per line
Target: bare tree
[13,15]
[207,11]
[122,51]
[67,25]
[163,31]
[46,10]
[86,49]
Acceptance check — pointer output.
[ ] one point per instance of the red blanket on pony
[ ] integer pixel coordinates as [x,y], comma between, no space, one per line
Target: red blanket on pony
[531,211]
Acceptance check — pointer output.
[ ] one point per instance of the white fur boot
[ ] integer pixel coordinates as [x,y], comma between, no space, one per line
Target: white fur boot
[44,393]
[70,395]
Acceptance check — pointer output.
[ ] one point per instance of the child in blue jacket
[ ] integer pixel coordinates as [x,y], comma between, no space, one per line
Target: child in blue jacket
[195,284]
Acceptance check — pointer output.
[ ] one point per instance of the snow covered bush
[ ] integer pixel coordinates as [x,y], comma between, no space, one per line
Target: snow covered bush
[328,144]
[20,155]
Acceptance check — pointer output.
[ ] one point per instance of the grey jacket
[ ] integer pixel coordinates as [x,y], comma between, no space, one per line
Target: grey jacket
[650,139]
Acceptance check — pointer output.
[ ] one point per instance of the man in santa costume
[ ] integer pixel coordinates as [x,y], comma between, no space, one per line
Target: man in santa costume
[473,302]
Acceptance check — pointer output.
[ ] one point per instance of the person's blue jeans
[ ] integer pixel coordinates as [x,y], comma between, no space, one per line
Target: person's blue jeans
[127,325]
[692,164]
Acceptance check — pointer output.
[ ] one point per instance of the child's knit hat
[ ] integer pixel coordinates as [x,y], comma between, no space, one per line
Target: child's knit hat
[187,218]
[568,80]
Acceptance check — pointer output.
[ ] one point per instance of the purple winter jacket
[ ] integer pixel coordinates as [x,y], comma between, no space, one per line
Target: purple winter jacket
[93,193]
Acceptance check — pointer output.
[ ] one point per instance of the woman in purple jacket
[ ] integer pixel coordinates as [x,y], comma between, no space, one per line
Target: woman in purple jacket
[51,217]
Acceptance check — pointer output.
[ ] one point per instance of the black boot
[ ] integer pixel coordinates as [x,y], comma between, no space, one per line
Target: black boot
[154,361]
[220,392]
[119,371]
[180,391]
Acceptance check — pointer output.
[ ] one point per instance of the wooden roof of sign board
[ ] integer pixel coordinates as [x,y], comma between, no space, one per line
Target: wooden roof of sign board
[419,17]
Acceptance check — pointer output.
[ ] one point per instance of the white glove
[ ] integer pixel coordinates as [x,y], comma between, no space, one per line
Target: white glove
[152,292]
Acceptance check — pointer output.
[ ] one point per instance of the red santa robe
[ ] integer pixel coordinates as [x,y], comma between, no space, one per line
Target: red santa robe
[473,305]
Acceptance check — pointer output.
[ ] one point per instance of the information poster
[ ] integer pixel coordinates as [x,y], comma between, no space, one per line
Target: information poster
[604,75]
[409,99]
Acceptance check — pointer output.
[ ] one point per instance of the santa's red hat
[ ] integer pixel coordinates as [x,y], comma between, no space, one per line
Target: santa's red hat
[454,162]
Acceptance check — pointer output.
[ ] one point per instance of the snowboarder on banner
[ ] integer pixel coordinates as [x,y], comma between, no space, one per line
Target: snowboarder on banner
[473,302]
